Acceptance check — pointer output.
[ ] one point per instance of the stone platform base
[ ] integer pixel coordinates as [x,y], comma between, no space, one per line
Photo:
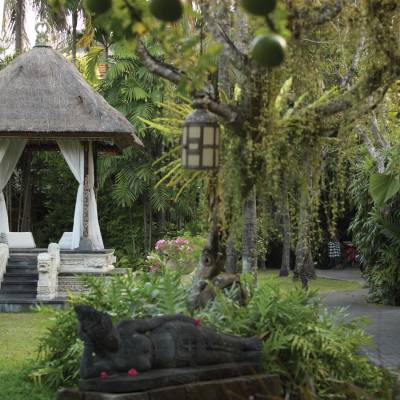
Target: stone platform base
[265,387]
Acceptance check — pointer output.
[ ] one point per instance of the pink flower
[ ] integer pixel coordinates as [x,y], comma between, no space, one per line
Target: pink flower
[132,372]
[181,241]
[160,244]
[154,268]
[103,375]
[197,322]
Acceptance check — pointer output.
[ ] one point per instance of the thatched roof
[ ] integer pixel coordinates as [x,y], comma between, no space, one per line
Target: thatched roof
[43,96]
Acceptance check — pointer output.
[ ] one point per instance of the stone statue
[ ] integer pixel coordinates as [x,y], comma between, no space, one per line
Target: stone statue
[174,341]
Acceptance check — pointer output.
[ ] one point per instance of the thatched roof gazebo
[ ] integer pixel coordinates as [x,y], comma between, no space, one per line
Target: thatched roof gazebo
[44,97]
[46,104]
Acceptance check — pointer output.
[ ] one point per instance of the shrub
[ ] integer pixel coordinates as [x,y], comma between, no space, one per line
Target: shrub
[376,233]
[310,349]
[175,254]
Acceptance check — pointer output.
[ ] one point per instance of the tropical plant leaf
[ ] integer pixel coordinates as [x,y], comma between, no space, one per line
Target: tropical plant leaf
[383,188]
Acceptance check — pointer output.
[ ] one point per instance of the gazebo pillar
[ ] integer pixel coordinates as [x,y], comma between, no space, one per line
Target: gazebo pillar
[85,242]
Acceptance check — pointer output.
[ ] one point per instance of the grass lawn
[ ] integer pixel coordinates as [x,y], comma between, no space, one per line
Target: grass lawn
[320,284]
[19,334]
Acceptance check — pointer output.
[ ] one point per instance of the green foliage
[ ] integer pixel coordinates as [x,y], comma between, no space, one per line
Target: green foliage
[134,295]
[383,188]
[376,230]
[304,343]
[309,347]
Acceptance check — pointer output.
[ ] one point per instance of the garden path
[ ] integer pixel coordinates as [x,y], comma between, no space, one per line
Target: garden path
[384,324]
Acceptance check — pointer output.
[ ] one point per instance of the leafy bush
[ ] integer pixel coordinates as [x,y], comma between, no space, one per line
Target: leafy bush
[310,349]
[134,295]
[176,254]
[376,233]
[314,351]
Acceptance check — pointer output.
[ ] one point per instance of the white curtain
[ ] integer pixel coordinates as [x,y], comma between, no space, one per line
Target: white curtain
[10,152]
[94,227]
[73,152]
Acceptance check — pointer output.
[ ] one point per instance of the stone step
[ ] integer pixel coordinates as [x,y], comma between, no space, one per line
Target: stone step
[12,263]
[6,293]
[16,304]
[21,270]
[21,275]
[19,285]
[19,257]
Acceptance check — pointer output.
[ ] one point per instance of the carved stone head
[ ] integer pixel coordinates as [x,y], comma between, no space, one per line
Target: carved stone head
[97,327]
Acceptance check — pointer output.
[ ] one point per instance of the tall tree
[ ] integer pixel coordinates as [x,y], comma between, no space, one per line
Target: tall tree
[321,114]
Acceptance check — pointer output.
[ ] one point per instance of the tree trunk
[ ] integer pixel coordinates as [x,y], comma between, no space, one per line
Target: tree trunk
[162,223]
[150,236]
[74,34]
[145,241]
[231,254]
[249,256]
[19,26]
[285,266]
[212,258]
[304,259]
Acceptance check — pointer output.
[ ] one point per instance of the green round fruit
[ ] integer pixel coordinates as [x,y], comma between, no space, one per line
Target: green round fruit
[166,10]
[98,7]
[259,7]
[268,50]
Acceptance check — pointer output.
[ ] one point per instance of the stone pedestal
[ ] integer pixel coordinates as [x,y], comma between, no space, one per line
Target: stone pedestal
[87,262]
[261,386]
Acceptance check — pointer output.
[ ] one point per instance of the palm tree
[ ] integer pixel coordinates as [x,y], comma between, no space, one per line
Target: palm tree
[14,21]
[134,176]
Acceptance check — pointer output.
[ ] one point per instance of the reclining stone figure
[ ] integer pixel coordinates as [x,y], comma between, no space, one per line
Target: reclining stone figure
[174,341]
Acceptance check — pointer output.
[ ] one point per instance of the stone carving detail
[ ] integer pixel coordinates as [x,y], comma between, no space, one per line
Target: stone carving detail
[48,268]
[86,200]
[4,254]
[3,238]
[173,341]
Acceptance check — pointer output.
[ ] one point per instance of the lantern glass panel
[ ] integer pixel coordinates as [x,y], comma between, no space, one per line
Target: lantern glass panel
[194,132]
[216,158]
[209,133]
[193,160]
[208,157]
[194,146]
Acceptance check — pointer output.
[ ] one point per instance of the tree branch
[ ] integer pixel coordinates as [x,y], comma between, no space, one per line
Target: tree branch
[170,73]
[346,80]
[156,66]
[372,150]
[328,12]
[380,140]
[239,59]
[314,16]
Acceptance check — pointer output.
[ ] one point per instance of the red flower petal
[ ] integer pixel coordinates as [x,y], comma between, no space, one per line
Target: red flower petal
[197,322]
[103,375]
[132,372]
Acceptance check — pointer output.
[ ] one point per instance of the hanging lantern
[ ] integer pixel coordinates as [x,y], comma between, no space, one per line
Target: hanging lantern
[201,139]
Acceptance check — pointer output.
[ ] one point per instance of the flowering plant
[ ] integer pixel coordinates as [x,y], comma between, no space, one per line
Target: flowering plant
[174,253]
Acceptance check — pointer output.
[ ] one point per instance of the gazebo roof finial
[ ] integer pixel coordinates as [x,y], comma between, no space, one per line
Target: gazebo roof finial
[42,39]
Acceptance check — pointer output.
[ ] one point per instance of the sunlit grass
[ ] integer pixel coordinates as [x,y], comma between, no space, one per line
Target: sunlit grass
[320,284]
[19,336]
